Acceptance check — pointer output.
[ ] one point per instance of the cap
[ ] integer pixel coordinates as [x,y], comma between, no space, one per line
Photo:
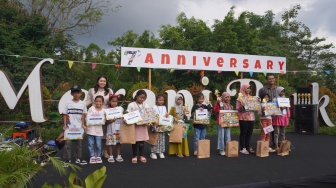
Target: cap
[75,88]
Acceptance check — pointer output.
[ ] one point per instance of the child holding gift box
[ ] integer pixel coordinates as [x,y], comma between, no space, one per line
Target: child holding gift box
[113,131]
[161,110]
[280,122]
[264,120]
[141,131]
[223,103]
[95,132]
[199,129]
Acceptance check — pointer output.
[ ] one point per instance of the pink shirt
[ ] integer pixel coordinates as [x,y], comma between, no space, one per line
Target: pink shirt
[95,130]
[281,120]
[141,131]
[92,95]
[218,107]
[244,115]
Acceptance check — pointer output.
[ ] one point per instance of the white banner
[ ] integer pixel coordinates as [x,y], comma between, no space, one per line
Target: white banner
[192,60]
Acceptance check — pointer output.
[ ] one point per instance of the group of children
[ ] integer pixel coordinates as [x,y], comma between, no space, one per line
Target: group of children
[76,111]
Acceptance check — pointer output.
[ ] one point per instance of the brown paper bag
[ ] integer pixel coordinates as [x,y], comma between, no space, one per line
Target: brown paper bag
[203,149]
[262,148]
[284,148]
[231,149]
[176,134]
[127,134]
[153,137]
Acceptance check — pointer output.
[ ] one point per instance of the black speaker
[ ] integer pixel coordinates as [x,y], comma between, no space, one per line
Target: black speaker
[306,119]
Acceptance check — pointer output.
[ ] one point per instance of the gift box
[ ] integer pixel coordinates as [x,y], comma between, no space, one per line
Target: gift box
[228,118]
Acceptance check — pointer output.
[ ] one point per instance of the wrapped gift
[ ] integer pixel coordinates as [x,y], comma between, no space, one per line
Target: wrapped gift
[148,115]
[252,104]
[95,119]
[186,127]
[203,149]
[166,124]
[132,117]
[73,133]
[202,117]
[271,108]
[112,113]
[228,118]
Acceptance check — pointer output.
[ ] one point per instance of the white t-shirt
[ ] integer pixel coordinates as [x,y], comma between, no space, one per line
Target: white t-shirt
[74,111]
[161,110]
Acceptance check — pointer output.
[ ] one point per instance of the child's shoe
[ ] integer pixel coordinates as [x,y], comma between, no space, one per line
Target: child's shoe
[110,159]
[222,152]
[271,149]
[244,151]
[195,152]
[93,160]
[83,162]
[161,155]
[119,158]
[77,161]
[99,160]
[153,156]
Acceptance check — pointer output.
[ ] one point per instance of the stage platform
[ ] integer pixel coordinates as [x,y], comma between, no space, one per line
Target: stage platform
[311,163]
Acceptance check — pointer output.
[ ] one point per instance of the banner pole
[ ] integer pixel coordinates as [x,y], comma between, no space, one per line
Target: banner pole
[241,75]
[150,79]
[278,79]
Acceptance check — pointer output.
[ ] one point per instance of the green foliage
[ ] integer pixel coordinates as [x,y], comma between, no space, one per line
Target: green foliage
[328,130]
[140,85]
[331,108]
[93,180]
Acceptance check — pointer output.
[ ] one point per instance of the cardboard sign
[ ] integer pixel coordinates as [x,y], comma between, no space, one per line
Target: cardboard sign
[166,121]
[74,133]
[283,102]
[95,119]
[132,117]
[228,118]
[268,129]
[112,113]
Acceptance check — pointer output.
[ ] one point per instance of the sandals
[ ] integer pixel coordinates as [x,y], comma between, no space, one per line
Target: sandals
[134,160]
[251,150]
[179,155]
[142,159]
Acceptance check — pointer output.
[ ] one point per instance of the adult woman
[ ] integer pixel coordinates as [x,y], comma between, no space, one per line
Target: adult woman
[246,120]
[101,87]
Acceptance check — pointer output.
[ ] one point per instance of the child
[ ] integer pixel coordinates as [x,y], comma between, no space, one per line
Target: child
[113,131]
[280,122]
[141,131]
[95,132]
[199,129]
[246,120]
[74,114]
[264,120]
[223,103]
[159,148]
[179,112]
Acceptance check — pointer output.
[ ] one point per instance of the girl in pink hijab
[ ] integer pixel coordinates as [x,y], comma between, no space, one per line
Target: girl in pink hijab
[246,120]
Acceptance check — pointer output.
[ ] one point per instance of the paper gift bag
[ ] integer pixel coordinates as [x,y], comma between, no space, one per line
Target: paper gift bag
[176,134]
[153,137]
[284,148]
[262,148]
[203,149]
[127,134]
[231,149]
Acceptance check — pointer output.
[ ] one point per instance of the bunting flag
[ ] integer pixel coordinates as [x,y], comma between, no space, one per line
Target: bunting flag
[171,70]
[282,72]
[138,69]
[251,74]
[202,73]
[237,73]
[70,64]
[189,71]
[117,66]
[219,72]
[295,72]
[314,71]
[93,65]
[327,71]
[265,73]
[17,56]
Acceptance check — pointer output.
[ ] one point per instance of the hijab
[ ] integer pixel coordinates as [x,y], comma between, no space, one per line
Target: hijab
[178,108]
[278,91]
[227,106]
[243,89]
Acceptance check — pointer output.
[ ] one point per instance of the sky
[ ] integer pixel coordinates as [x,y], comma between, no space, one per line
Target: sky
[139,15]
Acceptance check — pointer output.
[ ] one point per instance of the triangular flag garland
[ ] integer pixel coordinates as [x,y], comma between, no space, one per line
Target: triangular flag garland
[237,73]
[189,71]
[251,74]
[138,69]
[282,72]
[93,65]
[171,70]
[265,73]
[219,72]
[327,71]
[295,72]
[70,64]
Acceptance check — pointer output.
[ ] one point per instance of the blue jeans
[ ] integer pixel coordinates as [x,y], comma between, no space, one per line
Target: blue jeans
[223,137]
[92,139]
[199,134]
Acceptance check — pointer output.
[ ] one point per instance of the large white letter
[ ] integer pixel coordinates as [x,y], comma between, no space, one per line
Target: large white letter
[35,92]
[243,81]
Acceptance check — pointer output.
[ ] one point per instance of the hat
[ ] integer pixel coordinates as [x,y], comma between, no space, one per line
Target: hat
[75,88]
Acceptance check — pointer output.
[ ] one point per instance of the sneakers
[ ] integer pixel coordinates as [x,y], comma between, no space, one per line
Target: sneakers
[110,159]
[153,156]
[66,163]
[161,155]
[244,151]
[99,160]
[195,152]
[271,149]
[81,161]
[119,158]
[222,152]
[93,160]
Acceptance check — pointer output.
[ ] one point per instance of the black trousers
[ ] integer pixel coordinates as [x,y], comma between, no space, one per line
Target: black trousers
[141,145]
[246,129]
